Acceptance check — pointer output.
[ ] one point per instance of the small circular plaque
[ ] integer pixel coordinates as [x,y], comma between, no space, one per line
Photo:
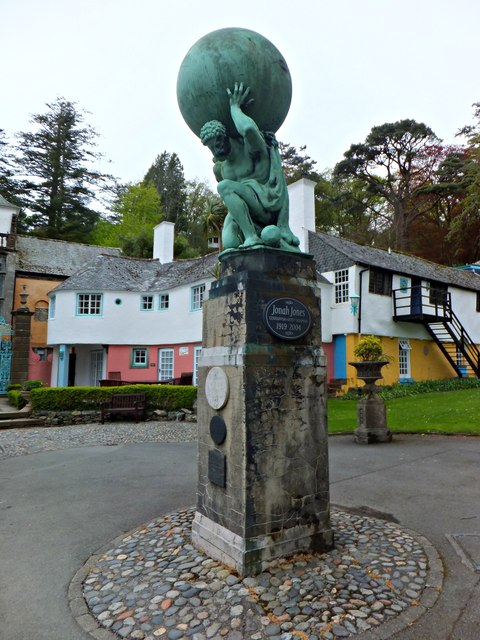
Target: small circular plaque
[287,318]
[218,429]
[217,388]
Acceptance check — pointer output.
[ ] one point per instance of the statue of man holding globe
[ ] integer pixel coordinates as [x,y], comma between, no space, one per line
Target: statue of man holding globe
[234,91]
[250,180]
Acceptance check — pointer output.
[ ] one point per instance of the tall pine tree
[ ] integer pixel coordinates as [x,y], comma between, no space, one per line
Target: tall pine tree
[166,175]
[58,183]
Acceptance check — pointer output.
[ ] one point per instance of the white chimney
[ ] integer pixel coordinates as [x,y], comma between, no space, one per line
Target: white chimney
[302,209]
[163,235]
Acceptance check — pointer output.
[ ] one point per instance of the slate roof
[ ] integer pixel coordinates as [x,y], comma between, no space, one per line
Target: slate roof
[56,257]
[111,273]
[332,253]
[5,203]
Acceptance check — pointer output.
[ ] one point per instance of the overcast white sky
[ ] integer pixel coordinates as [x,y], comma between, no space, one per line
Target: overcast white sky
[354,64]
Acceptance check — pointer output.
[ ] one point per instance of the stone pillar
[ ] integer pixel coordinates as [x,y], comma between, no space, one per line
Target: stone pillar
[372,421]
[22,318]
[263,489]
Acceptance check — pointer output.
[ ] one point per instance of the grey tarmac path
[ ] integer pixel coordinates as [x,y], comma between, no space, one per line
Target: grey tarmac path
[58,507]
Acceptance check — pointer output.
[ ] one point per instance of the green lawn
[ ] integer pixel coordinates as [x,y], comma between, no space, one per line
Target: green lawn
[444,412]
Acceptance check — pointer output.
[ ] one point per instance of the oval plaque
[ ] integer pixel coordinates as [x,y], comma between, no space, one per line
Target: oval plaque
[217,388]
[287,318]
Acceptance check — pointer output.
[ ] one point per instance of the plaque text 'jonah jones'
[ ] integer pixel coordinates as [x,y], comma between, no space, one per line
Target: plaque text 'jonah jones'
[287,318]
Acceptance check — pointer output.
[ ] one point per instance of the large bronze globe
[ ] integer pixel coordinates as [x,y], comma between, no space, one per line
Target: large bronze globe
[224,57]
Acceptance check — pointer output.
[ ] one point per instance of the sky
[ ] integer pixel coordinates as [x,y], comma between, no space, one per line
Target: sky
[354,64]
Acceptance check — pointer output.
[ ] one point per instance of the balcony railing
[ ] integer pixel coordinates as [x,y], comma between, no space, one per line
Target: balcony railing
[419,303]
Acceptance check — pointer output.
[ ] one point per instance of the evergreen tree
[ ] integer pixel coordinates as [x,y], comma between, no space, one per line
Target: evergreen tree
[166,174]
[58,183]
[8,187]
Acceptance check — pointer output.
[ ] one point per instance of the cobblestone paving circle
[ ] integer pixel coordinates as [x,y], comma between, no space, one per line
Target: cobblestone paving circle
[152,583]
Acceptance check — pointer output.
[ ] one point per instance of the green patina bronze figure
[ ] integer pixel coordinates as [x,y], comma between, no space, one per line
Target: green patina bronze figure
[240,133]
[250,180]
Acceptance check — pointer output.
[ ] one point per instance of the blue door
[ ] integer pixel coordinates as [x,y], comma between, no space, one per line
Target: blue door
[340,356]
[5,355]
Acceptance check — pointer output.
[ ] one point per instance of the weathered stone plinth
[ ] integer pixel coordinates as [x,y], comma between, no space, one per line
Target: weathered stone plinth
[372,421]
[263,489]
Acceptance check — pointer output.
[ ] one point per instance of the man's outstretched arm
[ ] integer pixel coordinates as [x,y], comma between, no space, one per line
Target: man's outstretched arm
[245,125]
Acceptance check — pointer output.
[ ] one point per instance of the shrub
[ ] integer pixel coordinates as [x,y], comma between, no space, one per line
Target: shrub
[14,387]
[28,385]
[369,349]
[166,397]
[15,398]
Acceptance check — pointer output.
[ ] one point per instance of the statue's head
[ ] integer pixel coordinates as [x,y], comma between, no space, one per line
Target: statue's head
[214,135]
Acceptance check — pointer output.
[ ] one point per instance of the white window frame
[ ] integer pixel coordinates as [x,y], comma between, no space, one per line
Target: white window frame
[166,362]
[404,365]
[197,297]
[341,286]
[163,301]
[196,354]
[139,357]
[52,307]
[89,304]
[147,302]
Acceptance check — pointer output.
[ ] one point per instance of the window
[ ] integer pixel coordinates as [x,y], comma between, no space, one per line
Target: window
[380,282]
[146,303]
[196,355]
[341,286]
[163,301]
[437,293]
[478,301]
[404,349]
[198,294]
[51,308]
[165,364]
[41,311]
[89,304]
[140,357]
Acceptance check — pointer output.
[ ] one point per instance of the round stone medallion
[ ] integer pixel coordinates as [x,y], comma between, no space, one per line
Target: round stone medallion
[217,388]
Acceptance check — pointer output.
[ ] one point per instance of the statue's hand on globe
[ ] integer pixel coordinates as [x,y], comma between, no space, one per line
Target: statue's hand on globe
[239,97]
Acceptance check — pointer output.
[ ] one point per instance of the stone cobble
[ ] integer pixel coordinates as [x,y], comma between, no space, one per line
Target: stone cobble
[16,442]
[154,584]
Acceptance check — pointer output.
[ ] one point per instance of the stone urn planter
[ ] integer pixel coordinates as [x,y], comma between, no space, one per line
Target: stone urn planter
[371,410]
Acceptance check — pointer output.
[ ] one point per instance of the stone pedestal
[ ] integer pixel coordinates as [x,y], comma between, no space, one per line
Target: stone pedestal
[372,421]
[263,489]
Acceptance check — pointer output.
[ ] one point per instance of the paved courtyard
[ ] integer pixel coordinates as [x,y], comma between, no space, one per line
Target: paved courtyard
[68,491]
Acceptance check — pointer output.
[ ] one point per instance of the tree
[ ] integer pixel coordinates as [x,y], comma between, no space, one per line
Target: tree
[8,187]
[205,213]
[345,207]
[296,163]
[166,175]
[390,163]
[465,230]
[59,183]
[135,212]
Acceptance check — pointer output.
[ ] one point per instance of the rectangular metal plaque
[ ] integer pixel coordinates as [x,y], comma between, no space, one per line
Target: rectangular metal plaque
[217,465]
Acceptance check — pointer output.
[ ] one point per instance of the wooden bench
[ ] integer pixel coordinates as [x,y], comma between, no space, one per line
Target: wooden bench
[121,403]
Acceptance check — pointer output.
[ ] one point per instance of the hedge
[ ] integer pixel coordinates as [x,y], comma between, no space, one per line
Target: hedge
[15,399]
[404,390]
[166,397]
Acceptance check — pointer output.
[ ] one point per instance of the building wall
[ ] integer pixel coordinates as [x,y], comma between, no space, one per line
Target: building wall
[37,289]
[120,360]
[123,322]
[426,361]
